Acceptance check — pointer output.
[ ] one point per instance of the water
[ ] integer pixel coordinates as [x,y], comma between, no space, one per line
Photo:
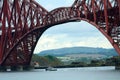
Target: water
[87,73]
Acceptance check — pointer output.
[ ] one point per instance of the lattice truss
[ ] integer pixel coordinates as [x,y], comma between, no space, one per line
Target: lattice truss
[22,22]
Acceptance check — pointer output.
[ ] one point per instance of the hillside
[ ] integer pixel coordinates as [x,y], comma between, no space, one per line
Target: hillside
[79,50]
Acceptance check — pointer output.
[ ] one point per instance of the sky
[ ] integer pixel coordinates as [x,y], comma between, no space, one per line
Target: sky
[72,34]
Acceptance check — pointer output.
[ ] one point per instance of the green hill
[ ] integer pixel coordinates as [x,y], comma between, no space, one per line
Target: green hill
[79,50]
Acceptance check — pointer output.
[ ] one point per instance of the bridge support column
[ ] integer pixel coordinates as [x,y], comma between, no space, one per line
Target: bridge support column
[117,62]
[20,68]
[8,68]
[117,67]
[2,68]
[27,67]
[5,68]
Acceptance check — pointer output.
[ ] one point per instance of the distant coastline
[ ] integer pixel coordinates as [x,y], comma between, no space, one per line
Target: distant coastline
[79,50]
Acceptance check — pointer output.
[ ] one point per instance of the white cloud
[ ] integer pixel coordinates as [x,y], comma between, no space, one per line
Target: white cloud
[52,4]
[49,42]
[60,41]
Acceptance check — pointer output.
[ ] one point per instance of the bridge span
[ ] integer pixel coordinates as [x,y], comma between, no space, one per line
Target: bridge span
[22,22]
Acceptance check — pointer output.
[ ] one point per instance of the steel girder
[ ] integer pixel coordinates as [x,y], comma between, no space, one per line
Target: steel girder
[18,18]
[22,22]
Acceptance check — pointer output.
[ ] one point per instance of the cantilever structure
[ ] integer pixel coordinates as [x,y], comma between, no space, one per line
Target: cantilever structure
[22,22]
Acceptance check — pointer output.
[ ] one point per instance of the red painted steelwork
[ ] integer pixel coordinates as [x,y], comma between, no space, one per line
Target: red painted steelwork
[22,22]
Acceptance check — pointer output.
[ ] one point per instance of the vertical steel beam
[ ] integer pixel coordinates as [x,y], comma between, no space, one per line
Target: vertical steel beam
[93,8]
[119,8]
[3,28]
[106,16]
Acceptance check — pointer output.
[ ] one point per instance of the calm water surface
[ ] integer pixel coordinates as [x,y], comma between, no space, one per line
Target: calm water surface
[87,73]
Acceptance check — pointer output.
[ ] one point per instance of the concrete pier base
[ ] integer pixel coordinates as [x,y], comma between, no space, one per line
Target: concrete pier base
[8,68]
[15,68]
[5,68]
[117,67]
[20,68]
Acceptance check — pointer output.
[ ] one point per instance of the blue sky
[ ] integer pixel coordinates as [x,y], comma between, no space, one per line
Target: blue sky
[69,34]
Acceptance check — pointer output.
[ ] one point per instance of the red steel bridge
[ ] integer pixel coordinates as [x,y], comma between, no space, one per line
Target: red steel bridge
[22,22]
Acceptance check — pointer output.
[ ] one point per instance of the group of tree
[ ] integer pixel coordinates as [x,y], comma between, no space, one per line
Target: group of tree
[45,61]
[112,61]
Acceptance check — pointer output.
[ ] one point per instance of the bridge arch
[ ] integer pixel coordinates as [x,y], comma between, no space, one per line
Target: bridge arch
[23,31]
[39,31]
[71,34]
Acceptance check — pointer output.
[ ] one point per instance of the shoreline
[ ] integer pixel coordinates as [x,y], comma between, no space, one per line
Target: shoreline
[71,67]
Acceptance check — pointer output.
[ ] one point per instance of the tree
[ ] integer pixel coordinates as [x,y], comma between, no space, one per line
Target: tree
[46,60]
